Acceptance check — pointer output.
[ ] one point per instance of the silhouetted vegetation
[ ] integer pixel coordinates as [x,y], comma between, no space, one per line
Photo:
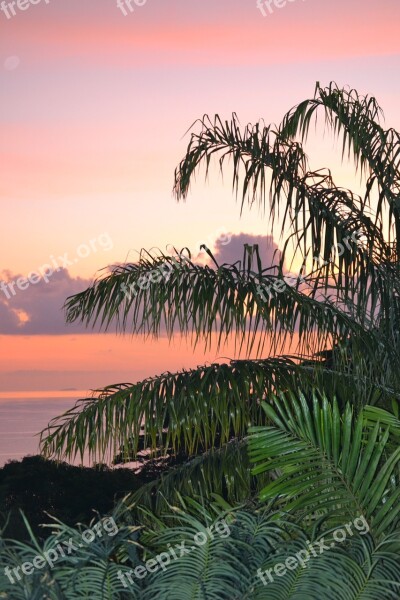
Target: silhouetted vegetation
[72,494]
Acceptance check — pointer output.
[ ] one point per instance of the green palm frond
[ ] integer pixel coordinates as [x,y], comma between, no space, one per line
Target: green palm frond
[330,463]
[98,580]
[376,151]
[213,304]
[190,411]
[354,571]
[220,567]
[83,570]
[260,540]
[315,211]
[212,551]
[316,215]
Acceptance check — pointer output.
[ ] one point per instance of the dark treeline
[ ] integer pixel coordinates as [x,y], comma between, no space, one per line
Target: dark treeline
[72,494]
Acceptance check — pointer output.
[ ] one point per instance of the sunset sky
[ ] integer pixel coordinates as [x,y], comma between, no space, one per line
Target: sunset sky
[94,110]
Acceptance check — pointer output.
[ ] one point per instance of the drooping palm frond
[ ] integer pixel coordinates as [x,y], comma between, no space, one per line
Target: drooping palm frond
[189,410]
[376,151]
[193,411]
[329,463]
[214,304]
[316,213]
[317,216]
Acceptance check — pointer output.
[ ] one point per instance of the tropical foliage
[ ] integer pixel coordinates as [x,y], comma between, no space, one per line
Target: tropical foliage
[229,564]
[322,422]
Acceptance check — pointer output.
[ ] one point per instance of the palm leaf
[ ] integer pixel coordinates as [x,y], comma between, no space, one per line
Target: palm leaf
[327,462]
[214,304]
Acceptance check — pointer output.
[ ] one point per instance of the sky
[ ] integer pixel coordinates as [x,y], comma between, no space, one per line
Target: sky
[95,106]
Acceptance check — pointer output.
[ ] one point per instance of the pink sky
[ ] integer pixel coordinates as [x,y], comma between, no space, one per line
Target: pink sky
[94,106]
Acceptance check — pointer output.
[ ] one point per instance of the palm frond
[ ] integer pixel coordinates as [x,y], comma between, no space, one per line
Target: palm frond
[252,306]
[191,411]
[316,213]
[83,570]
[352,571]
[375,150]
[328,462]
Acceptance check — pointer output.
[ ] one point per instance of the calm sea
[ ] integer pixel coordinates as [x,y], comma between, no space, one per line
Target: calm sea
[24,414]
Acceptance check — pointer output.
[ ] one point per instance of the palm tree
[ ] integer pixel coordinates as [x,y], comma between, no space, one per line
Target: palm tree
[344,307]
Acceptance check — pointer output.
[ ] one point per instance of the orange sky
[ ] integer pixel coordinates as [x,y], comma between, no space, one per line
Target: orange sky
[94,106]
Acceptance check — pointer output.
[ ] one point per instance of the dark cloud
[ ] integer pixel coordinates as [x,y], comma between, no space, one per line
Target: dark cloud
[229,249]
[37,310]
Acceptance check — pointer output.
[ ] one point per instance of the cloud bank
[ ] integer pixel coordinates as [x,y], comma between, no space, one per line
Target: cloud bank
[38,309]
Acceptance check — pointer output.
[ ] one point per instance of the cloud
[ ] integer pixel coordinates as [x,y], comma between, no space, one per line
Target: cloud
[37,310]
[229,252]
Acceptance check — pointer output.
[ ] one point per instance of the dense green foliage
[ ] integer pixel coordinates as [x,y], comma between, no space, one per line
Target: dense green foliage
[222,565]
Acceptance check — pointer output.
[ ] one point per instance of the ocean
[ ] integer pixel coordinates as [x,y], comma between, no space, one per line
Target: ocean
[24,414]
